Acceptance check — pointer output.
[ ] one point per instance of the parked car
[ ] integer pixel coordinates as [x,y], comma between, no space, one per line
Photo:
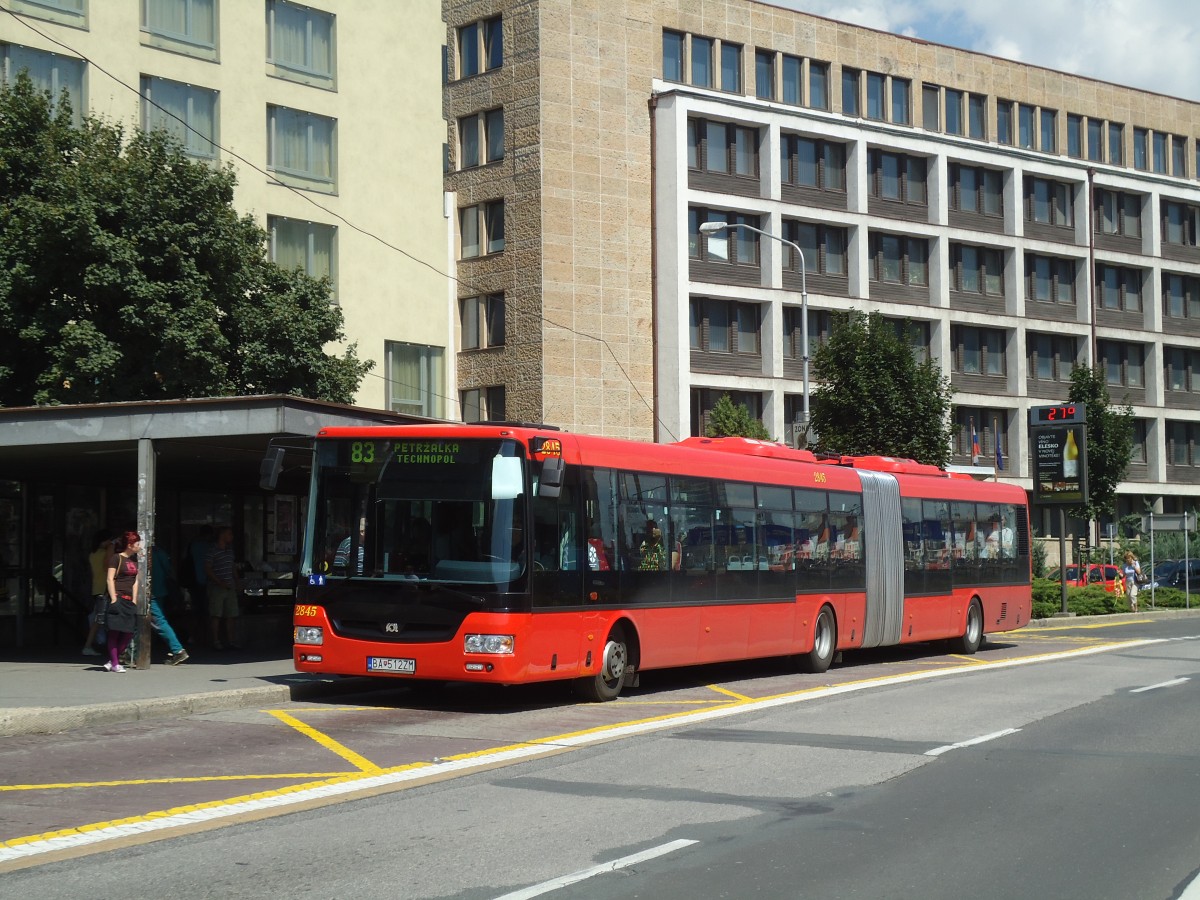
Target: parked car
[1185,578]
[1103,575]
[1163,572]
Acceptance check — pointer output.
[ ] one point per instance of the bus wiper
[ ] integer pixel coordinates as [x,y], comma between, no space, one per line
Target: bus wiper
[478,601]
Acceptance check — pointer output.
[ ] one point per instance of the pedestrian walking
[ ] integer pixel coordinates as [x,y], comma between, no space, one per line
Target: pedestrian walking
[223,591]
[1132,571]
[124,586]
[161,577]
[98,562]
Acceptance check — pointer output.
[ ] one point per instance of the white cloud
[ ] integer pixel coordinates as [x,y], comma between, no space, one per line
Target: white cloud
[1149,44]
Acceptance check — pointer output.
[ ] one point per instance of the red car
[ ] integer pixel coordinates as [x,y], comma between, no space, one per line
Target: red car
[1092,573]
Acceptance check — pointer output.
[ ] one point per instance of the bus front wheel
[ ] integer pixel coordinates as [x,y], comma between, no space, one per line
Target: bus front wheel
[819,658]
[972,637]
[606,684]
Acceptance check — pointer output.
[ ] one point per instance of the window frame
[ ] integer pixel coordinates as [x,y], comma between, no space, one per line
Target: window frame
[183,127]
[482,42]
[908,269]
[488,214]
[308,177]
[483,124]
[427,400]
[481,321]
[975,261]
[307,72]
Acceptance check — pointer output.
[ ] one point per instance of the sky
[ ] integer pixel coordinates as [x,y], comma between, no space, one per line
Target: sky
[1148,44]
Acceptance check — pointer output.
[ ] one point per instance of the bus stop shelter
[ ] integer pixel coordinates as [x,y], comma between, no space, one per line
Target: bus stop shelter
[163,467]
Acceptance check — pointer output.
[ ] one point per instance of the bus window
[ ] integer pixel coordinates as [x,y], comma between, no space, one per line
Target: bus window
[845,541]
[600,510]
[812,540]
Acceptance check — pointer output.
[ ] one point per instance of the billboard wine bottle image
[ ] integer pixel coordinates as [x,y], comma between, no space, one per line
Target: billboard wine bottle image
[1071,458]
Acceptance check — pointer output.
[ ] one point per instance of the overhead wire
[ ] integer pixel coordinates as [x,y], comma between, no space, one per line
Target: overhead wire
[22,19]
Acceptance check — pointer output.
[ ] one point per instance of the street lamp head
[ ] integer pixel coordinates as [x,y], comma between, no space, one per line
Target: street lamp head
[713,227]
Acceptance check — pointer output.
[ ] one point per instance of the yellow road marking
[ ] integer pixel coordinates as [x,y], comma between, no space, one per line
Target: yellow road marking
[970,659]
[193,779]
[1035,630]
[547,741]
[727,692]
[359,762]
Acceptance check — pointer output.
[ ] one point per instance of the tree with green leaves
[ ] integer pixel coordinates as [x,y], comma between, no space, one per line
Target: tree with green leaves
[873,396]
[1109,440]
[127,274]
[729,419]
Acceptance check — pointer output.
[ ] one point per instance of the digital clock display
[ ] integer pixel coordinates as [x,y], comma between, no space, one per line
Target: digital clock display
[1068,412]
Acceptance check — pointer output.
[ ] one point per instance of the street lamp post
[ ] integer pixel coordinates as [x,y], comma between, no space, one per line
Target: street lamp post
[715,227]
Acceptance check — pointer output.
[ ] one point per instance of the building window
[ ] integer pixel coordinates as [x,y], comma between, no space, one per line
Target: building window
[187,113]
[482,229]
[820,324]
[480,46]
[1118,213]
[51,72]
[1004,126]
[764,74]
[899,259]
[1183,443]
[1051,357]
[724,326]
[64,12]
[976,190]
[810,163]
[1116,143]
[308,246]
[851,79]
[1181,296]
[722,148]
[1095,140]
[818,85]
[931,98]
[704,399]
[915,334]
[1075,135]
[731,67]
[793,85]
[954,112]
[985,423]
[1141,149]
[978,351]
[1026,126]
[673,56]
[300,43]
[901,101]
[1049,131]
[898,177]
[414,379]
[482,321]
[302,148]
[977,270]
[481,139]
[977,116]
[824,247]
[1049,202]
[734,246]
[1123,364]
[1049,279]
[1179,223]
[702,62]
[189,26]
[1182,369]
[1119,288]
[1178,156]
[876,89]
[484,404]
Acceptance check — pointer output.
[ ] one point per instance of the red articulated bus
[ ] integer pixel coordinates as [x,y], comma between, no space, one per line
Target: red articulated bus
[512,553]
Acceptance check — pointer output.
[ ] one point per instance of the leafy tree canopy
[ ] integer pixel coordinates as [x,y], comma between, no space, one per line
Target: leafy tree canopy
[126,274]
[729,419]
[874,398]
[1109,440]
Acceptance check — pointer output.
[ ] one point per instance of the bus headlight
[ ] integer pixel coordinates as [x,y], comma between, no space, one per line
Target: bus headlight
[308,634]
[495,644]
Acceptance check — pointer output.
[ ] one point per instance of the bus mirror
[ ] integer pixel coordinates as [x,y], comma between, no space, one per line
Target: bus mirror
[506,478]
[550,482]
[270,467]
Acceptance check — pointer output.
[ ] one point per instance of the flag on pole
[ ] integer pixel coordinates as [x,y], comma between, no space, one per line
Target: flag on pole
[975,454]
[999,452]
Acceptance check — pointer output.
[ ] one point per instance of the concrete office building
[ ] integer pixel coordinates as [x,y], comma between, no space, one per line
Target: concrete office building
[1025,221]
[330,113]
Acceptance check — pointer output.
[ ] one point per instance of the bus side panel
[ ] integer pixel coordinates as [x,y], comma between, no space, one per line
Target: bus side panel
[666,635]
[851,613]
[554,645]
[928,618]
[1005,607]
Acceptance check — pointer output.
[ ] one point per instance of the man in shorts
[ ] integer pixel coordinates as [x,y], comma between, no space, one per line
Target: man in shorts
[223,591]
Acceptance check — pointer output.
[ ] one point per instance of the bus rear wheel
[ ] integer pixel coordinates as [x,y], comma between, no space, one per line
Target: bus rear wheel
[972,637]
[606,684]
[819,658]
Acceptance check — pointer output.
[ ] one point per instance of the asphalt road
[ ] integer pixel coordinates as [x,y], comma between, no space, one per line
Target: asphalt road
[1020,773]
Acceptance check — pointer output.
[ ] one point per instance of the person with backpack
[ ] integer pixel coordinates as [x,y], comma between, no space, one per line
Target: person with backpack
[1133,577]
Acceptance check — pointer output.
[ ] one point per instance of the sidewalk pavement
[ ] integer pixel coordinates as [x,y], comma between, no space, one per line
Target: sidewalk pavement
[61,690]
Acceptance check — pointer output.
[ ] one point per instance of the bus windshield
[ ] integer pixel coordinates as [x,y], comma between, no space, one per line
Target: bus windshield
[413,509]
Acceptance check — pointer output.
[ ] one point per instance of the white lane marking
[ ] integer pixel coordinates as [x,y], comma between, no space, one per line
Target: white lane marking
[1161,684]
[575,877]
[23,848]
[938,751]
